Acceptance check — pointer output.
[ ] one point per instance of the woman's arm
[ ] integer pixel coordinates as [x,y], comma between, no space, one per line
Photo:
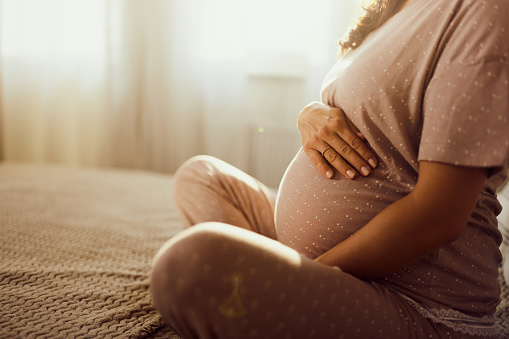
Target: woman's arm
[433,214]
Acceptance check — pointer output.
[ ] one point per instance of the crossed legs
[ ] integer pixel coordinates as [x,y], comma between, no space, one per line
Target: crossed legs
[215,280]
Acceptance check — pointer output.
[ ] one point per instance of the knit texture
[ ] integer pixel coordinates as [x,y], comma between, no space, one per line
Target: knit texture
[76,247]
[503,308]
[75,252]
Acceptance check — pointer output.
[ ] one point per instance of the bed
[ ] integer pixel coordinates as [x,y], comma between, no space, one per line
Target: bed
[76,247]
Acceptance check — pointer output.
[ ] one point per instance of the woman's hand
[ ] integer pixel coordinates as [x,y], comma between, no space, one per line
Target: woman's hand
[329,138]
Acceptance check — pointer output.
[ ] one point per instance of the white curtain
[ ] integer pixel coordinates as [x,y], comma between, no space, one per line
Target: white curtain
[147,84]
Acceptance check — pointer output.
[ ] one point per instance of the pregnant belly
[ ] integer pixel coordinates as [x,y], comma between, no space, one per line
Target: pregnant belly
[314,213]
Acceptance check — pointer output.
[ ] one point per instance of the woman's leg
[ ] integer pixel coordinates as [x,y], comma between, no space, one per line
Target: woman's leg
[208,189]
[219,281]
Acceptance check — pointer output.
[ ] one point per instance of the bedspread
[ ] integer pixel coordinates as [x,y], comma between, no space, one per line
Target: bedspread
[76,247]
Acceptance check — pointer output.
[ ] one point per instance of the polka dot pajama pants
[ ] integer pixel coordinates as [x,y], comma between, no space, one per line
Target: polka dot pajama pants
[215,280]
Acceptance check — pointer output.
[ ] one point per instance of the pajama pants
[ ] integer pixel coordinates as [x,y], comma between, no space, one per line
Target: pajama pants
[227,276]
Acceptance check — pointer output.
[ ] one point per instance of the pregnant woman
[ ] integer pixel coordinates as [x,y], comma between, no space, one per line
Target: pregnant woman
[384,225]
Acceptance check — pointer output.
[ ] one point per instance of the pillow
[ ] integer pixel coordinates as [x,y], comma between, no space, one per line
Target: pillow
[503,225]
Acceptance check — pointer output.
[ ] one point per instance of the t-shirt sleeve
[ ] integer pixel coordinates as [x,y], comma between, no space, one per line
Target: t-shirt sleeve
[466,103]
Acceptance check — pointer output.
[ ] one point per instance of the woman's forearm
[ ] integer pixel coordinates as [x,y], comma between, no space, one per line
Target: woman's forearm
[395,238]
[434,214]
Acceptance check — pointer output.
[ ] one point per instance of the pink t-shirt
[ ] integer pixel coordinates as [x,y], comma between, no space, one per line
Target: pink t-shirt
[430,84]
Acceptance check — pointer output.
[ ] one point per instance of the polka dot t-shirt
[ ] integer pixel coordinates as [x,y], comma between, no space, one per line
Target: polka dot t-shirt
[430,84]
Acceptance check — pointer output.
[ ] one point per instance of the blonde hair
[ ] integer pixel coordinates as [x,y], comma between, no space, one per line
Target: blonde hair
[375,14]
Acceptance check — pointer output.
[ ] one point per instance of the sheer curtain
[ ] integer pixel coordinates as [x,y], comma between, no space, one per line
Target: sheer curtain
[147,84]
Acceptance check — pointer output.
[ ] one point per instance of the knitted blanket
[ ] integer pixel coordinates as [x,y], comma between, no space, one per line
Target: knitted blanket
[76,247]
[75,251]
[503,308]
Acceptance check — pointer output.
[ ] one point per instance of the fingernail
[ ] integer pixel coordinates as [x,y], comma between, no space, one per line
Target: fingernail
[350,174]
[372,163]
[329,174]
[365,170]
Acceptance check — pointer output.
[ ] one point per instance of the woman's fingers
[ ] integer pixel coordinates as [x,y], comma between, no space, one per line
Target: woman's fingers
[328,156]
[355,151]
[319,161]
[346,160]
[348,145]
[363,150]
[336,160]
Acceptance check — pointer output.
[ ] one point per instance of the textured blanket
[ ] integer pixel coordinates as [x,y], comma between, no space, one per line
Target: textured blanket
[75,252]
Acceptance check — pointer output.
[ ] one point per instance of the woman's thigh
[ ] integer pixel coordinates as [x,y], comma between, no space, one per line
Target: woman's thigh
[215,280]
[209,189]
